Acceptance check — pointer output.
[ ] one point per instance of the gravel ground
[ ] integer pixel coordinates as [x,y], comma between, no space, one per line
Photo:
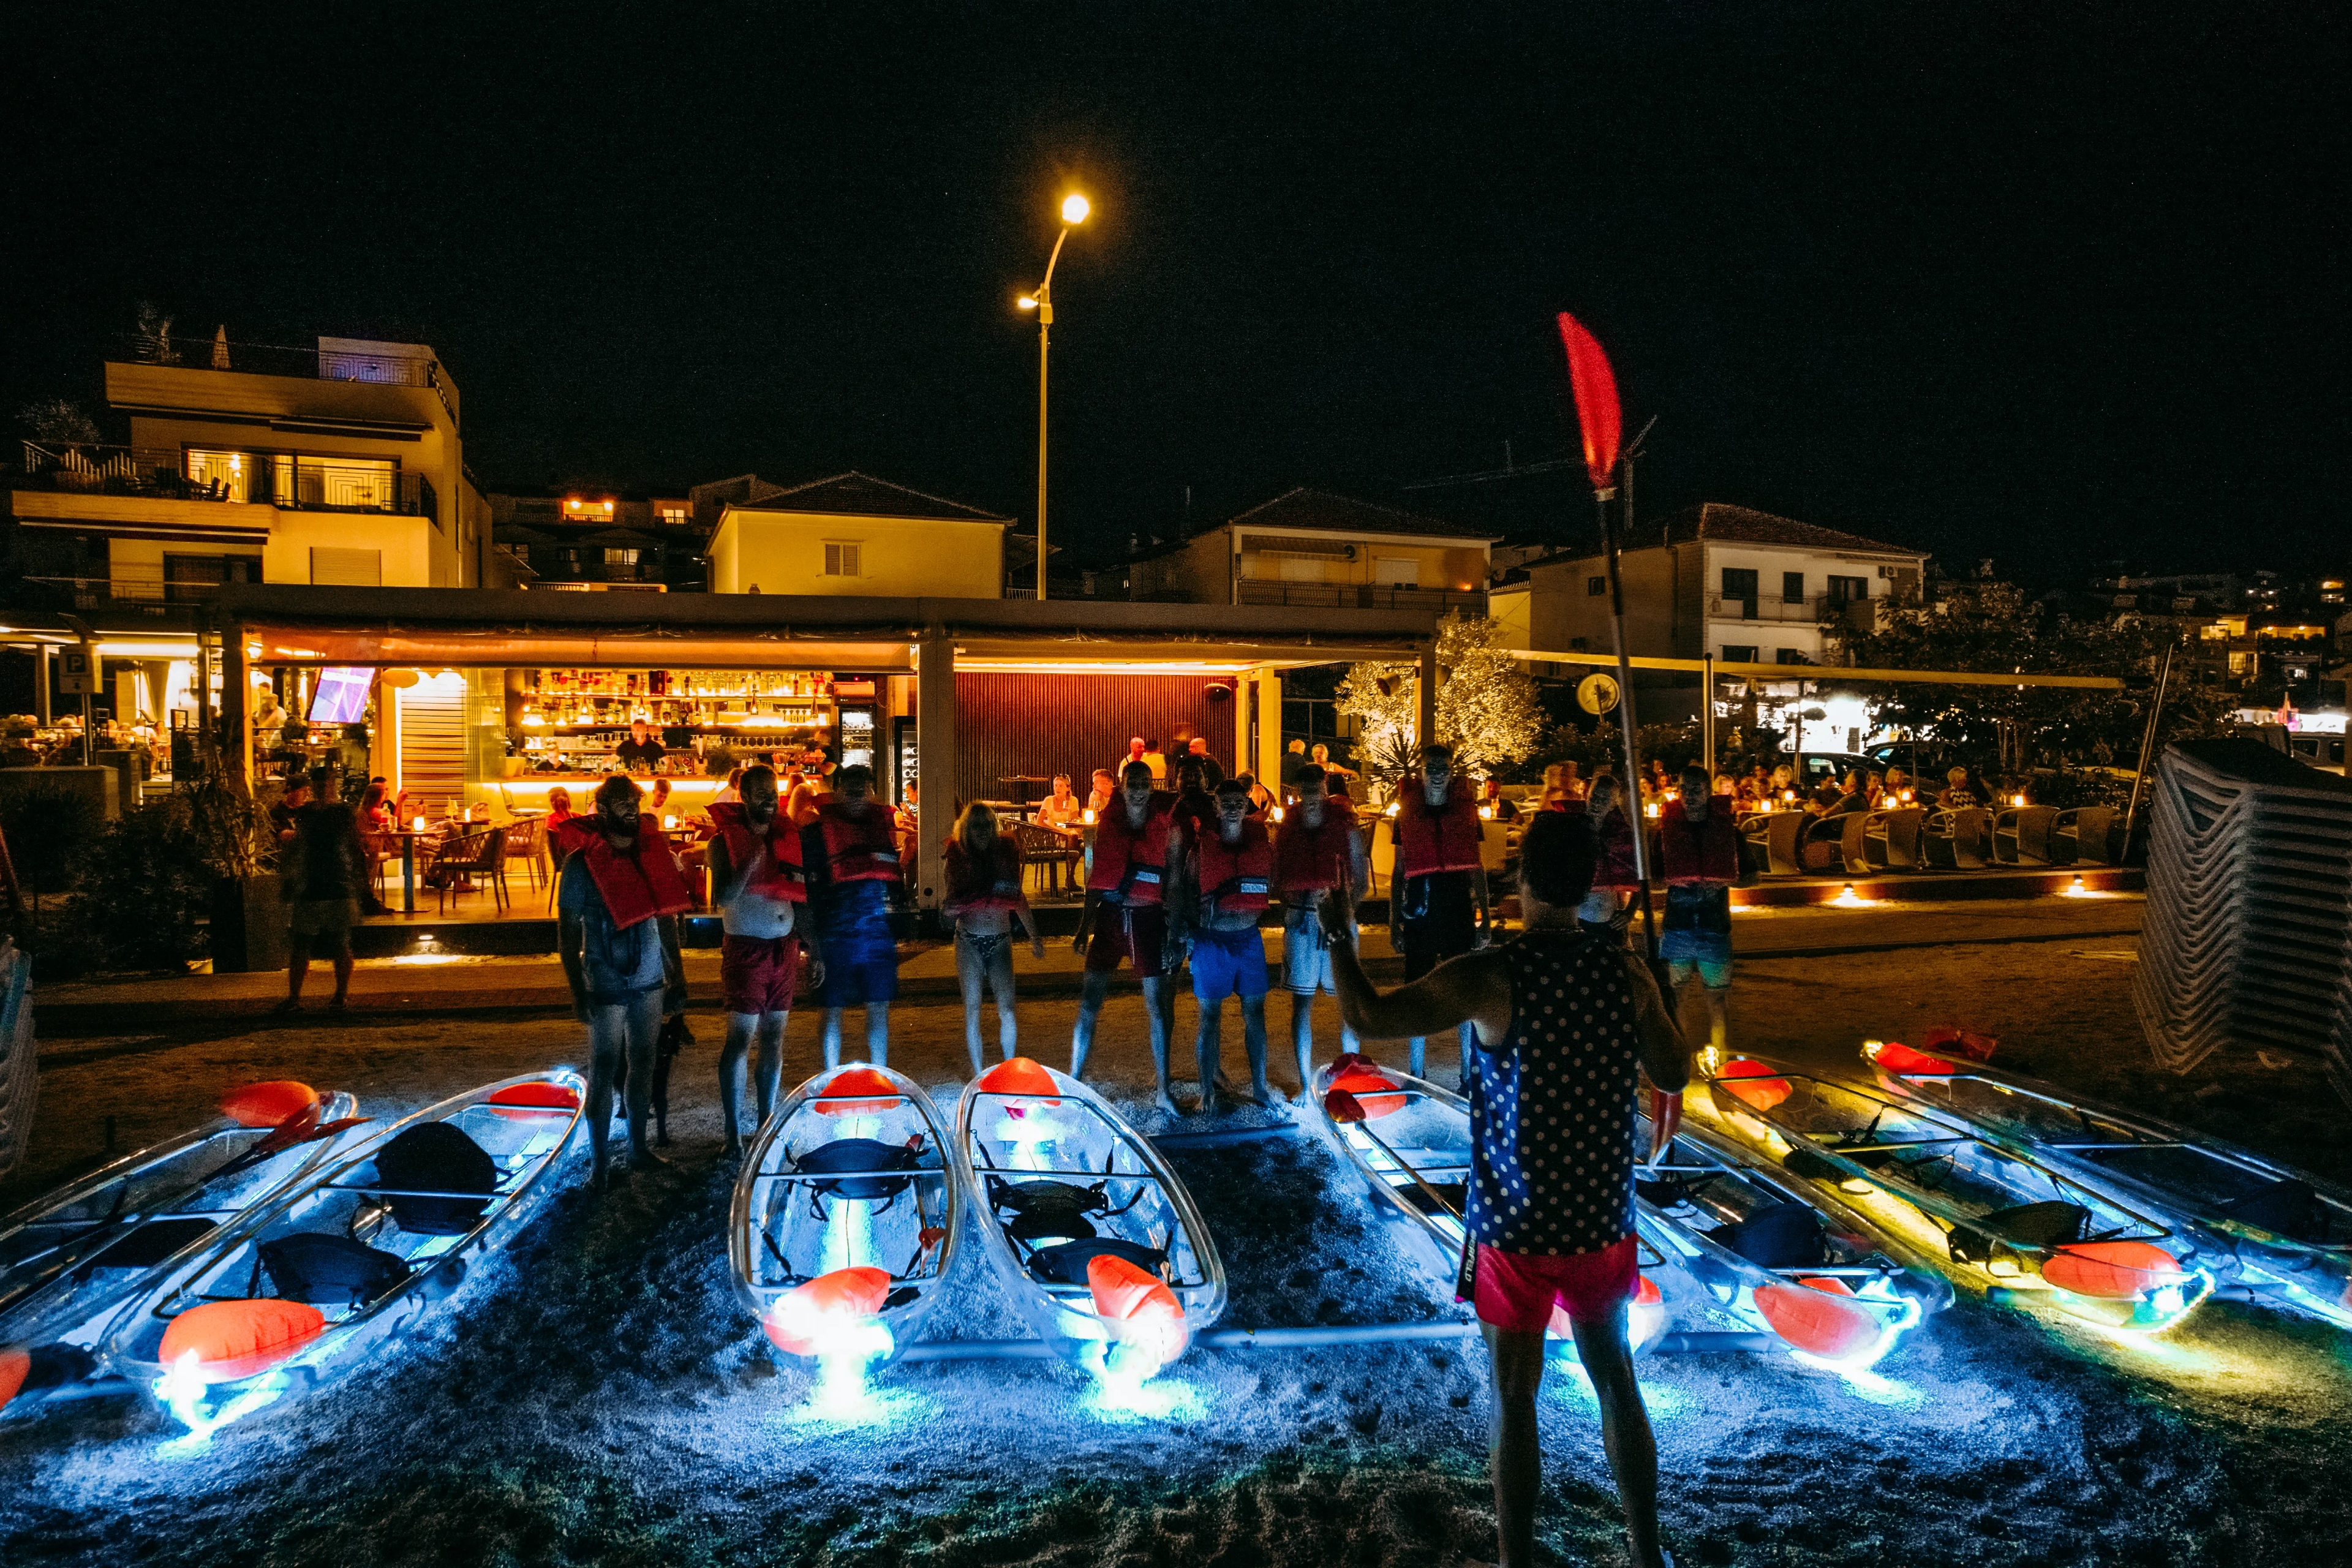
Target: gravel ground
[597,1396]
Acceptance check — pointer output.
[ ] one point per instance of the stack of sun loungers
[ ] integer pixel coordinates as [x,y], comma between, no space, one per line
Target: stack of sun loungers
[2247,940]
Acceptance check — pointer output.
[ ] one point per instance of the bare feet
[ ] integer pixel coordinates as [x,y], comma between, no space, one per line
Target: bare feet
[1166,1102]
[731,1150]
[643,1154]
[1210,1104]
[1267,1095]
[291,1004]
[600,1181]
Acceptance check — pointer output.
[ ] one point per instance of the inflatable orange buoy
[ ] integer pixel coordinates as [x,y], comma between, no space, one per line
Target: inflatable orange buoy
[2111,1270]
[1361,1079]
[267,1104]
[1819,1318]
[1019,1074]
[237,1339]
[15,1365]
[1136,1307]
[1342,1107]
[1752,1083]
[1961,1042]
[857,1080]
[1897,1057]
[538,1095]
[805,1319]
[1646,1294]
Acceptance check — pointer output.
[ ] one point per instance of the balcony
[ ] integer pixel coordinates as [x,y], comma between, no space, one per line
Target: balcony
[1818,609]
[143,597]
[290,482]
[1359,596]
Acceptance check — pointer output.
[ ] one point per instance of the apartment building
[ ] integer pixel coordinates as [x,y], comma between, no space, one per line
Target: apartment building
[851,534]
[1313,549]
[597,541]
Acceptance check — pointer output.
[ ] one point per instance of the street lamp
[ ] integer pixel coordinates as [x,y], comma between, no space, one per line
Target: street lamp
[1073,212]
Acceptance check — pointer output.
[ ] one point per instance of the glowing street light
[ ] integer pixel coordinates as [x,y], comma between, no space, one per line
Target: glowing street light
[1075,209]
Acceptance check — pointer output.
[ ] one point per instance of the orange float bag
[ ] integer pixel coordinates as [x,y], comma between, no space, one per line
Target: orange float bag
[267,1104]
[237,1339]
[1138,1308]
[811,1319]
[1753,1084]
[1819,1316]
[860,1081]
[2112,1270]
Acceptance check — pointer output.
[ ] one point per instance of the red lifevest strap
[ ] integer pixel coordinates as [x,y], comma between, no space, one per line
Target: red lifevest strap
[859,848]
[1131,862]
[1307,859]
[783,878]
[992,881]
[1614,867]
[1443,839]
[1705,851]
[1237,876]
[637,886]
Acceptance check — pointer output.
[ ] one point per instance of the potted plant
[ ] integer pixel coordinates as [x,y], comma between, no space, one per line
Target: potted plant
[235,844]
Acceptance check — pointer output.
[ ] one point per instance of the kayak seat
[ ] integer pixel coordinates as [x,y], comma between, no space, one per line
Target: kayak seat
[1453,1195]
[1060,1207]
[2031,1225]
[865,1165]
[436,1157]
[330,1271]
[1783,1235]
[145,1246]
[2289,1208]
[1813,1165]
[1066,1264]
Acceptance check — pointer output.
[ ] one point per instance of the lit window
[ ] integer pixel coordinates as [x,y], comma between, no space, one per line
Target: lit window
[1596,586]
[841,560]
[615,557]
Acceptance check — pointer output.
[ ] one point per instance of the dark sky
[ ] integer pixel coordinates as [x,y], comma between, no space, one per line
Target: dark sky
[2051,283]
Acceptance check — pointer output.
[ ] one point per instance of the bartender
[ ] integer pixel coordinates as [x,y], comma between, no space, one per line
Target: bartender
[640,753]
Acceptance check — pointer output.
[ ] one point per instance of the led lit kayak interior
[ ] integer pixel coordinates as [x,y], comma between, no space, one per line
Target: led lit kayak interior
[2268,1232]
[349,1257]
[1993,1218]
[1719,1235]
[846,1218]
[71,1258]
[1089,1228]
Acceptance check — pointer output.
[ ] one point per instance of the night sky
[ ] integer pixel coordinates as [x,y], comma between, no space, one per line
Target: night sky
[2052,283]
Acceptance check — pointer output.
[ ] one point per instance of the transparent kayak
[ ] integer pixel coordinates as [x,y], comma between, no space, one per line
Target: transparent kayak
[847,1215]
[1091,1232]
[1943,1195]
[2268,1232]
[338,1267]
[1717,1237]
[72,1257]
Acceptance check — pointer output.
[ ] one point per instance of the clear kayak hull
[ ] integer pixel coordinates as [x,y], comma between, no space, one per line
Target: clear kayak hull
[2268,1232]
[851,1180]
[272,1267]
[1065,1192]
[1940,1194]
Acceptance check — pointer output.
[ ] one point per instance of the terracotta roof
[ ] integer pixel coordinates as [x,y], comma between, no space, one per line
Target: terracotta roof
[1743,525]
[1321,512]
[862,495]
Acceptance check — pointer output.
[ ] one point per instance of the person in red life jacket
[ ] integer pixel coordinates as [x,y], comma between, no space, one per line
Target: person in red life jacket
[1228,880]
[1699,847]
[1440,899]
[1196,808]
[1126,916]
[851,852]
[1320,870]
[1613,875]
[758,883]
[983,898]
[618,879]
[1565,1023]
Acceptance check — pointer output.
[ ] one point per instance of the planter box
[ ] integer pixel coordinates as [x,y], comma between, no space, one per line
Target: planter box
[248,931]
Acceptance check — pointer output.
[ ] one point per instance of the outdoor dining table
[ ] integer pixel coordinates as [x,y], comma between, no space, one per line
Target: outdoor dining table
[409,837]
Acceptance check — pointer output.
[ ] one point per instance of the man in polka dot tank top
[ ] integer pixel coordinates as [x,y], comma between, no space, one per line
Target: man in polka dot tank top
[1566,1021]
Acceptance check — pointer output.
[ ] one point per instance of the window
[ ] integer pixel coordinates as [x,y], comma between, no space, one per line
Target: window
[1576,645]
[228,474]
[1790,656]
[841,560]
[190,578]
[336,482]
[1300,569]
[618,557]
[1739,588]
[1849,590]
[347,568]
[1792,587]
[1596,586]
[1740,653]
[1397,572]
[674,515]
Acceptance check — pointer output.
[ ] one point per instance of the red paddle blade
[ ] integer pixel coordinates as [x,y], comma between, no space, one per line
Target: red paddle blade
[1596,400]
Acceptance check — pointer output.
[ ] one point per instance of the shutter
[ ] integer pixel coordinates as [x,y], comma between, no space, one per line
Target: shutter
[432,742]
[346,568]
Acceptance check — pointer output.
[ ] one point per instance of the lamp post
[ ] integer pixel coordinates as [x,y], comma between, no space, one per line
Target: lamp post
[1073,212]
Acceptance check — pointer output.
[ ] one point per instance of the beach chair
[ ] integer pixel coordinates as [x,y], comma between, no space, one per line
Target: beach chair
[2085,829]
[1959,840]
[1049,853]
[475,855]
[1891,839]
[1772,840]
[1836,844]
[2021,835]
[527,842]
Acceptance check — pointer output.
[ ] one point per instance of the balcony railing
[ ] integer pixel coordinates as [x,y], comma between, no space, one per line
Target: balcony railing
[311,362]
[1357,597]
[143,595]
[1809,611]
[161,474]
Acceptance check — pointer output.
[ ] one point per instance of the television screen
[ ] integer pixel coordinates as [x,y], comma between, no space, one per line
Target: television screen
[342,697]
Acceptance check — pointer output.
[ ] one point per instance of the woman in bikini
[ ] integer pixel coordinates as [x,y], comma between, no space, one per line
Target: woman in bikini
[984,896]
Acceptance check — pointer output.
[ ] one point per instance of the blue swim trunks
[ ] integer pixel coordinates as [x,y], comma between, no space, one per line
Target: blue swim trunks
[1228,964]
[861,955]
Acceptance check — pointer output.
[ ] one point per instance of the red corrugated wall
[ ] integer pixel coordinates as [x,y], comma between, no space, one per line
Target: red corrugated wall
[1048,724]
